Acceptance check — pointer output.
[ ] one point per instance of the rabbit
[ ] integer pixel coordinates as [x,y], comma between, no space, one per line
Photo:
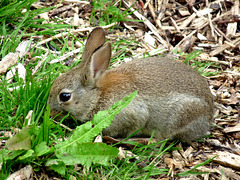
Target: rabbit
[173,99]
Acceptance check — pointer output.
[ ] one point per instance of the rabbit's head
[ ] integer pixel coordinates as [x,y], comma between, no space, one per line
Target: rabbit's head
[76,91]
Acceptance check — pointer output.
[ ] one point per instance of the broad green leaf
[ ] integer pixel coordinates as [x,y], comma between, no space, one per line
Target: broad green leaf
[102,22]
[9,154]
[114,10]
[81,134]
[77,150]
[100,4]
[57,165]
[42,149]
[20,141]
[114,110]
[28,154]
[88,153]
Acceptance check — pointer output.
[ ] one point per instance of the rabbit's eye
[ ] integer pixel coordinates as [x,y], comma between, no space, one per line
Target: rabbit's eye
[64,97]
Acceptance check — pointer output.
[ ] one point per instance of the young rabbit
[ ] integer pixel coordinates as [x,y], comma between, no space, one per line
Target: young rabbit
[172,99]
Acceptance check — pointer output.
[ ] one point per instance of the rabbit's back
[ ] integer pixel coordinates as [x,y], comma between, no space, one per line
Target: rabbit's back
[172,98]
[155,77]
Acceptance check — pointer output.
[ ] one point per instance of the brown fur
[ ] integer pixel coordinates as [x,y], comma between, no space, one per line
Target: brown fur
[113,80]
[172,98]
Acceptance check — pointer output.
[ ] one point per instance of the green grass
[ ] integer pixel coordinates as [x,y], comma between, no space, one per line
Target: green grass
[18,21]
[105,12]
[200,66]
[32,94]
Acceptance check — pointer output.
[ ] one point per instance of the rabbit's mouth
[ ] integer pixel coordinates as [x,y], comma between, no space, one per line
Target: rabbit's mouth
[58,115]
[69,120]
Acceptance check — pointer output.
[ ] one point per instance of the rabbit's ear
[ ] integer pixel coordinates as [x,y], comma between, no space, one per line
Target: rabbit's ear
[95,39]
[96,65]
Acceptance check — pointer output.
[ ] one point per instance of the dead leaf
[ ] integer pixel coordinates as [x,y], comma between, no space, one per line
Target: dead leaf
[19,69]
[124,153]
[98,139]
[11,58]
[227,159]
[232,129]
